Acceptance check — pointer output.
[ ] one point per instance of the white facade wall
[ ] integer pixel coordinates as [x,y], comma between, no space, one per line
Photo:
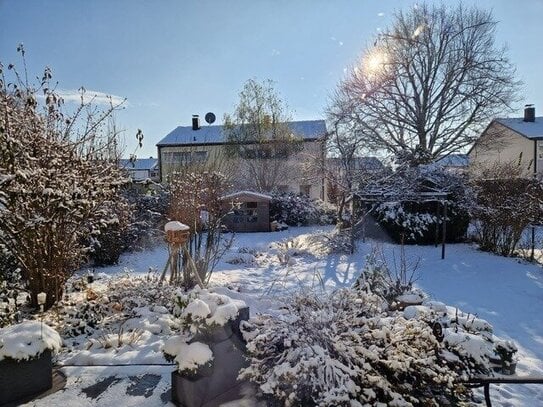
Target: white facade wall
[499,144]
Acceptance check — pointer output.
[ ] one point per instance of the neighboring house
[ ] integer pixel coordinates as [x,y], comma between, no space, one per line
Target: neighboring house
[511,140]
[359,164]
[362,167]
[141,168]
[200,144]
[455,163]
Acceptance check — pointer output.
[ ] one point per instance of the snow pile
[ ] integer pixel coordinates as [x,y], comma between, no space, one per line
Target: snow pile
[27,340]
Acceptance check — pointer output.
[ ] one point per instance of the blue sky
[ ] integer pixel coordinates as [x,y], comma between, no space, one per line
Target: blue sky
[172,59]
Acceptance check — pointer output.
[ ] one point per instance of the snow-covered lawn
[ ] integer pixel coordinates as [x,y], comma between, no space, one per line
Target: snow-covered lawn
[262,269]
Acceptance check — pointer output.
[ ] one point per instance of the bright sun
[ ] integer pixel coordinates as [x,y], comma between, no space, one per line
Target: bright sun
[374,61]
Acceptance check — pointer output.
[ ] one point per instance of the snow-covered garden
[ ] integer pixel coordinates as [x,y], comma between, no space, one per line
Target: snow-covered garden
[120,292]
[123,317]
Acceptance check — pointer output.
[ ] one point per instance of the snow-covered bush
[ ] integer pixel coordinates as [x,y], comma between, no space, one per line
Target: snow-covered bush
[300,210]
[345,350]
[138,216]
[506,204]
[58,173]
[13,297]
[393,285]
[149,214]
[409,216]
[28,340]
[468,339]
[201,310]
[86,311]
[108,242]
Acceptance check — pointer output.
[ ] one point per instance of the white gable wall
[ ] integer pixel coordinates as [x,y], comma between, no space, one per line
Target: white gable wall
[499,144]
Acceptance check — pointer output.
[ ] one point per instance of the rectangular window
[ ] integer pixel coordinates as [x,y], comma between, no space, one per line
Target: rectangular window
[305,190]
[176,157]
[199,156]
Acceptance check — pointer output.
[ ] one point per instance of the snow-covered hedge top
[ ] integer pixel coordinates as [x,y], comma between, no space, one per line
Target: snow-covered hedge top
[175,226]
[201,308]
[27,340]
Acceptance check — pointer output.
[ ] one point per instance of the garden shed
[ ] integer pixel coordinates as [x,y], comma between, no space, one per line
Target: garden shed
[246,211]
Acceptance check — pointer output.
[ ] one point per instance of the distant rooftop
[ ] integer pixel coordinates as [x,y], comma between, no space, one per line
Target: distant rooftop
[453,160]
[185,135]
[531,130]
[138,164]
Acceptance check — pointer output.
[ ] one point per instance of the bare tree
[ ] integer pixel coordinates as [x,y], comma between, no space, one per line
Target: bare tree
[429,83]
[195,200]
[257,133]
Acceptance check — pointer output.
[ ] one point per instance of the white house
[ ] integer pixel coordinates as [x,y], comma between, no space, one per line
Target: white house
[199,144]
[141,168]
[511,140]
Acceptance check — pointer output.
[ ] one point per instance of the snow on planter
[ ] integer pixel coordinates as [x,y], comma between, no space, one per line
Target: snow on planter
[188,356]
[27,340]
[210,352]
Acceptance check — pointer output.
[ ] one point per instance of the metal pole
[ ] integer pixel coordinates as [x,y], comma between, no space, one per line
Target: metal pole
[444,230]
[436,234]
[533,244]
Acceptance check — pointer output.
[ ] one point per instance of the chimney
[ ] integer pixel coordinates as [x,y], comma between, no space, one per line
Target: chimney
[529,113]
[195,122]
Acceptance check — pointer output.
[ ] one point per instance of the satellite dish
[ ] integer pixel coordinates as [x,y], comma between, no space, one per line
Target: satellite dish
[210,118]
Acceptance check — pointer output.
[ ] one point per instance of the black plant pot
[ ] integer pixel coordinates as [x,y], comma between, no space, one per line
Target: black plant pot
[20,379]
[218,384]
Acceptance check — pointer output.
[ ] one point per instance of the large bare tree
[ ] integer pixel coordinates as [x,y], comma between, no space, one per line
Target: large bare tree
[258,134]
[429,83]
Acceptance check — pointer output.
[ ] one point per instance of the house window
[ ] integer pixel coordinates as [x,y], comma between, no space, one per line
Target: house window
[305,190]
[282,188]
[199,156]
[176,157]
[252,205]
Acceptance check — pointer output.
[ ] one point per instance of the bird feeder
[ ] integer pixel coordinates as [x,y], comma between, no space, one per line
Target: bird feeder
[177,233]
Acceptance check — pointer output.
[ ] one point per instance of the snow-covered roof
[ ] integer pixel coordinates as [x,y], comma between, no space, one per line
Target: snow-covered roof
[249,193]
[453,160]
[139,164]
[185,135]
[531,130]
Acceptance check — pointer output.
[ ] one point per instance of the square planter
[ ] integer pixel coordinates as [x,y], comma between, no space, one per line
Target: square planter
[219,381]
[198,389]
[23,378]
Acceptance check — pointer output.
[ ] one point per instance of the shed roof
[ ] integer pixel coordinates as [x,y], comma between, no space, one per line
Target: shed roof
[251,194]
[185,135]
